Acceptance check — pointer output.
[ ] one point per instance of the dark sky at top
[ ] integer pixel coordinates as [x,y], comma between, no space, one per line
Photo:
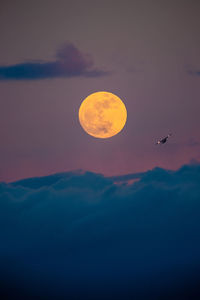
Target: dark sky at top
[55,53]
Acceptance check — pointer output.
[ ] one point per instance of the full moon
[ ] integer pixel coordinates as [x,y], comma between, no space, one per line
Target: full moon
[102,114]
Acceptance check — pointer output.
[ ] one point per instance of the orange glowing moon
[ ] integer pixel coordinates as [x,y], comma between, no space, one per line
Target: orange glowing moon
[102,114]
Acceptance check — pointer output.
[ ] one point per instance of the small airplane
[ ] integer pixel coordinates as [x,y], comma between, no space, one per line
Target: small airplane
[163,140]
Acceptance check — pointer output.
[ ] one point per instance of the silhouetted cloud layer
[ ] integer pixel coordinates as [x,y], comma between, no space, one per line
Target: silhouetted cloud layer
[69,62]
[77,235]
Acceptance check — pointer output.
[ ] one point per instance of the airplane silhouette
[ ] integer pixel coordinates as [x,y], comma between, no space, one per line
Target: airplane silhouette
[163,140]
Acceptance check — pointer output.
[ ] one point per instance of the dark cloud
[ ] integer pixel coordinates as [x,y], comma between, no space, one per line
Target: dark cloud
[69,62]
[77,235]
[193,72]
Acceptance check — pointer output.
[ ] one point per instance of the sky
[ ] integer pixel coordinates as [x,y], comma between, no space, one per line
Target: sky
[53,54]
[88,218]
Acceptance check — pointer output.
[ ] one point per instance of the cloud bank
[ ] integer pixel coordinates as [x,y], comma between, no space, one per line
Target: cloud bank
[78,235]
[70,62]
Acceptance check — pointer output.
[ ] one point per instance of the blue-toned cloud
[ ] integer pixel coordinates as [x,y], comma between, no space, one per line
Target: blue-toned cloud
[70,62]
[78,235]
[193,72]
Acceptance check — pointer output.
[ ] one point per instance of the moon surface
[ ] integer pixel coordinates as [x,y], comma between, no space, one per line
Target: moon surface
[102,115]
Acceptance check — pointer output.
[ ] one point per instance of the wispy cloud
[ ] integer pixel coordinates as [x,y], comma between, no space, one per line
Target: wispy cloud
[69,62]
[126,178]
[193,72]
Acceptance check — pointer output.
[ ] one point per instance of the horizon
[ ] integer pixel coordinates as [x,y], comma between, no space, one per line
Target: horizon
[114,176]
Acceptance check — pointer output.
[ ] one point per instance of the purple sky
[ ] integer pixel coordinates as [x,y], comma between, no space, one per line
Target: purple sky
[53,54]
